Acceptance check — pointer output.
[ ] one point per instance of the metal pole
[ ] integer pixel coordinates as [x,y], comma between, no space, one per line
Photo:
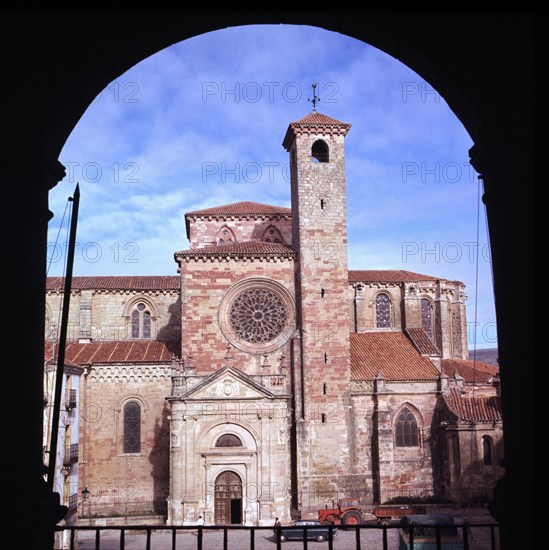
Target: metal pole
[63,340]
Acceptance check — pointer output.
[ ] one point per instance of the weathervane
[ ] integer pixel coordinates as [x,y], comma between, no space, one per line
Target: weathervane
[315,99]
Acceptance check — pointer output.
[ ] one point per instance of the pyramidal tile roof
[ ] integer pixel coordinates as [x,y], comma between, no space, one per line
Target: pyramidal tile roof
[314,123]
[388,353]
[316,118]
[473,372]
[243,208]
[472,408]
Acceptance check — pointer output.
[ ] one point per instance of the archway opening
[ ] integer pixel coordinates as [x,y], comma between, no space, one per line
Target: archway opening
[228,499]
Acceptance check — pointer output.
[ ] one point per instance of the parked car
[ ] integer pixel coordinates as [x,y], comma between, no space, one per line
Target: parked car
[310,529]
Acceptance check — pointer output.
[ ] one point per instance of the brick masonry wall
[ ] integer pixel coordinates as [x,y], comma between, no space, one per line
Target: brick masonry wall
[204,286]
[110,312]
[116,479]
[206,231]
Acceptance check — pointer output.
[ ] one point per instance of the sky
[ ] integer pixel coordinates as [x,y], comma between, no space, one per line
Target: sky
[201,124]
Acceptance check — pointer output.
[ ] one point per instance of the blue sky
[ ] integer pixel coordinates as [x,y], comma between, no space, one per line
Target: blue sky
[201,123]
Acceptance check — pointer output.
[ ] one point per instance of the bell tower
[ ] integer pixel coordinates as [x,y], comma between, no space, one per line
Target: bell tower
[322,371]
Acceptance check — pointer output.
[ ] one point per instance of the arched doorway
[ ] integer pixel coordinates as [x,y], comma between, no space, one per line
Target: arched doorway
[228,499]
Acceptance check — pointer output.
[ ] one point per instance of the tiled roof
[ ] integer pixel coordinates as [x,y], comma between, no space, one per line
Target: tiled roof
[390,353]
[388,276]
[470,371]
[314,122]
[241,209]
[421,341]
[247,249]
[149,282]
[316,119]
[478,409]
[121,351]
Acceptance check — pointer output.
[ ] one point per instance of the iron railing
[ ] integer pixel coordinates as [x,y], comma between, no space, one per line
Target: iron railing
[71,454]
[472,536]
[70,399]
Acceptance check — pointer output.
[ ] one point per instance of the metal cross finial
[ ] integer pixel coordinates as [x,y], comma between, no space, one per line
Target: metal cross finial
[315,99]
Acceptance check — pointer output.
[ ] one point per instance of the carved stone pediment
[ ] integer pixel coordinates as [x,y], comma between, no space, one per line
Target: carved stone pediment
[228,383]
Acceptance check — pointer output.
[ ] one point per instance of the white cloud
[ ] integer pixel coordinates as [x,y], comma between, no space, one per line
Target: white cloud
[201,123]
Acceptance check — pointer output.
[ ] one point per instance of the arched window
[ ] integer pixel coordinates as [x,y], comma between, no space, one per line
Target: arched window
[406,432]
[141,321]
[225,236]
[228,440]
[132,427]
[487,451]
[272,235]
[383,311]
[426,317]
[320,151]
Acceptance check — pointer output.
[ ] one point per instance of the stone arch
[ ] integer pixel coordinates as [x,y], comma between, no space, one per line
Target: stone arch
[272,235]
[463,70]
[131,308]
[384,310]
[408,415]
[122,423]
[225,235]
[320,151]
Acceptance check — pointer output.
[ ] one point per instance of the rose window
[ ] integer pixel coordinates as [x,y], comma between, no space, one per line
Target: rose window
[258,315]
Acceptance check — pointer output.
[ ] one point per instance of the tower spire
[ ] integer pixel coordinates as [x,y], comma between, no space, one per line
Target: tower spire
[315,98]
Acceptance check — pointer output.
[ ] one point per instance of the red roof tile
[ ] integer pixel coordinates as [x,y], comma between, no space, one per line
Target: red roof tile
[388,276]
[421,341]
[148,282]
[245,208]
[314,122]
[478,409]
[247,249]
[389,353]
[121,351]
[316,119]
[471,371]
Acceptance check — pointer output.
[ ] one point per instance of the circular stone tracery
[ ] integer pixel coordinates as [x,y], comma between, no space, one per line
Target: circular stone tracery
[258,315]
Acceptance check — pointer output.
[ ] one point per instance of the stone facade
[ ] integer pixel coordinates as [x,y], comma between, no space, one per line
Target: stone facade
[266,379]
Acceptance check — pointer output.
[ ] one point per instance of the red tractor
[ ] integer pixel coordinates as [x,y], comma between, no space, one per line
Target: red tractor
[348,512]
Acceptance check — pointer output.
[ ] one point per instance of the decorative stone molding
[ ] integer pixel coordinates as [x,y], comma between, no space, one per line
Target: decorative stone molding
[257,315]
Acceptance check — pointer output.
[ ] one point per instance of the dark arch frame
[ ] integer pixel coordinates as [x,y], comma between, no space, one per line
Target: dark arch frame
[74,55]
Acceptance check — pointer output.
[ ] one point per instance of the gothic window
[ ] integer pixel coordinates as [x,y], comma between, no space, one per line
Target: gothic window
[406,429]
[487,451]
[272,235]
[320,151]
[228,440]
[225,236]
[141,321]
[426,317]
[132,427]
[383,311]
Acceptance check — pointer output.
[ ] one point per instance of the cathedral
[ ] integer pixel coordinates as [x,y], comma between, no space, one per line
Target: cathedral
[266,379]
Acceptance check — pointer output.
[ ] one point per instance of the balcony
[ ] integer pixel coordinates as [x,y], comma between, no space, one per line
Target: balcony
[72,505]
[70,400]
[71,454]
